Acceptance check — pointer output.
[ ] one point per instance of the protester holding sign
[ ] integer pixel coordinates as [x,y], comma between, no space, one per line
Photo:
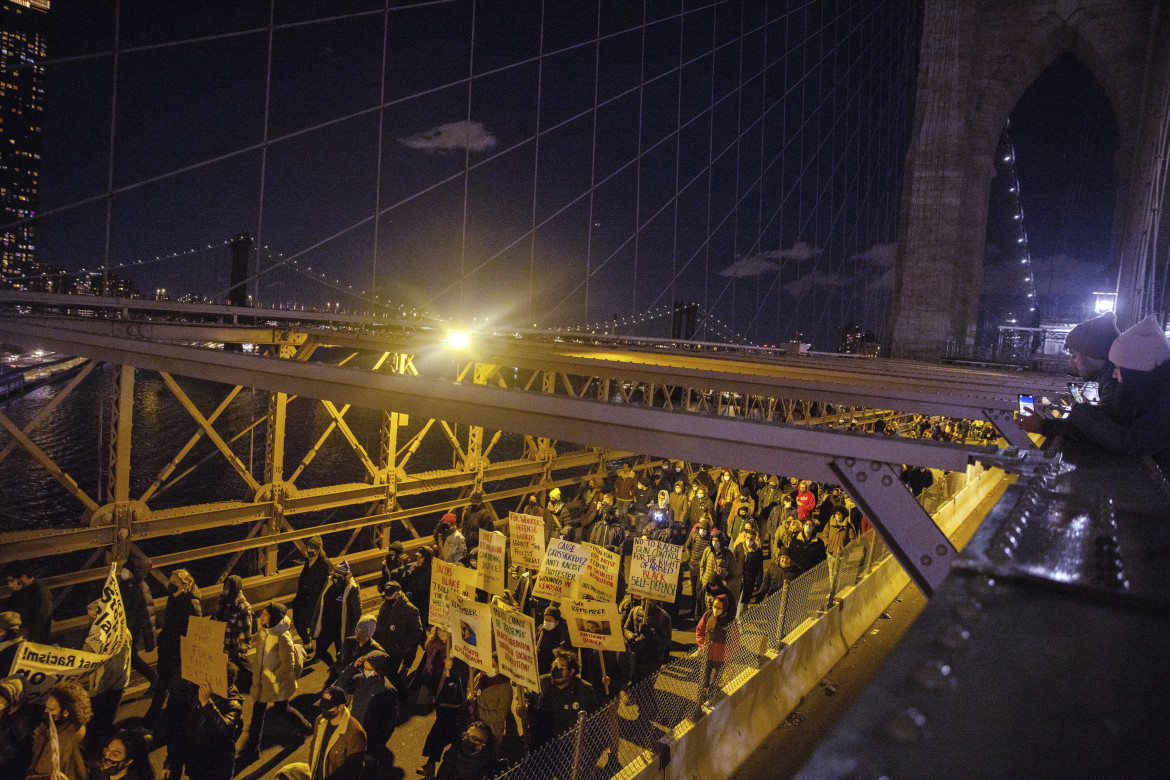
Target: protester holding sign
[562,696]
[67,705]
[526,532]
[563,561]
[182,604]
[202,740]
[107,683]
[515,647]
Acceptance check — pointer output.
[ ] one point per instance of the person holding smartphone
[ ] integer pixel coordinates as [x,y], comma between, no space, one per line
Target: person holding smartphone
[1088,345]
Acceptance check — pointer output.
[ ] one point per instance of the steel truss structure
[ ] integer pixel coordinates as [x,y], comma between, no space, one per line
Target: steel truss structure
[760,410]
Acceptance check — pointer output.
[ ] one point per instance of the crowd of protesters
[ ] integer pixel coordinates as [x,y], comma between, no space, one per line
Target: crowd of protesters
[742,536]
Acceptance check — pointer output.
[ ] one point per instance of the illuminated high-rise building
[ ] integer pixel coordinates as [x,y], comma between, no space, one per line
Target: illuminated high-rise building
[22,50]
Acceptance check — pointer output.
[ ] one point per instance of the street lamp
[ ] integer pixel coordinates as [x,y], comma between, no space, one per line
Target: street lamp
[1104,301]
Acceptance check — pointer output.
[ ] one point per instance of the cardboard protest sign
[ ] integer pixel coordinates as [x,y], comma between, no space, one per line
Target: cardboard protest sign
[490,574]
[108,632]
[43,666]
[598,580]
[201,650]
[563,561]
[515,635]
[470,624]
[594,624]
[527,535]
[654,570]
[447,581]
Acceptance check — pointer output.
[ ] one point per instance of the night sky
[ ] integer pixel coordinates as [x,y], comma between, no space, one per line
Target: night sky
[556,163]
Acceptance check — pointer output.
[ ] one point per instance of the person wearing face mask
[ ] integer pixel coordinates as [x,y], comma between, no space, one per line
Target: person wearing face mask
[311,583]
[201,738]
[416,583]
[182,604]
[373,702]
[695,548]
[355,647]
[139,608]
[563,695]
[749,557]
[68,705]
[126,757]
[550,635]
[726,494]
[473,758]
[700,506]
[107,683]
[400,631]
[275,671]
[718,556]
[679,500]
[450,700]
[338,746]
[714,633]
[235,610]
[807,549]
[338,613]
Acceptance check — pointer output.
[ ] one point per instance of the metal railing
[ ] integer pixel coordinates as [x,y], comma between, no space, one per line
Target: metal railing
[613,742]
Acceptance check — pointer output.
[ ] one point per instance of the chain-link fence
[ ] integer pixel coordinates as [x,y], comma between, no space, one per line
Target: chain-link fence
[610,742]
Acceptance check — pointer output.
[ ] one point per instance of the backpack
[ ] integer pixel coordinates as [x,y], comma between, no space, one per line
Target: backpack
[299,656]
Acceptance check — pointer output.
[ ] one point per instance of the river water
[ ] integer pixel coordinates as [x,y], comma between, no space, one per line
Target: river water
[76,437]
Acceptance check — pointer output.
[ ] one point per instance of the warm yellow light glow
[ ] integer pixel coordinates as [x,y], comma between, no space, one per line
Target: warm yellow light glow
[457,339]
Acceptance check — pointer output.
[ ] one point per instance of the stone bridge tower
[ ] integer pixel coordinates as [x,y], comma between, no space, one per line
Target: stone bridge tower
[977,59]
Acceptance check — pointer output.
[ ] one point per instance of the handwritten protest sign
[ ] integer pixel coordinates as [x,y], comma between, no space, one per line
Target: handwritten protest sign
[527,535]
[108,632]
[654,570]
[490,575]
[515,635]
[447,581]
[470,624]
[201,650]
[43,666]
[563,561]
[598,580]
[594,624]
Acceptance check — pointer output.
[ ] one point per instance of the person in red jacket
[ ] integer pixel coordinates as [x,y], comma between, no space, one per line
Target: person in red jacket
[716,634]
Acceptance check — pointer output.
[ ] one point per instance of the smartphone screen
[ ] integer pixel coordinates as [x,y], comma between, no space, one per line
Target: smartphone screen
[1027,404]
[1090,392]
[1075,390]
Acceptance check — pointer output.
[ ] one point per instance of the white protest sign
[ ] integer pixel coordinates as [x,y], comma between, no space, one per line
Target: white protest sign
[527,535]
[563,561]
[41,667]
[447,581]
[490,574]
[108,632]
[599,579]
[515,635]
[201,650]
[594,624]
[654,570]
[470,624]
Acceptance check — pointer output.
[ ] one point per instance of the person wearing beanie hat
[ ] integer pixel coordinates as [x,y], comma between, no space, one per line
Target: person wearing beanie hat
[338,613]
[1140,424]
[360,642]
[1088,345]
[311,583]
[395,564]
[400,630]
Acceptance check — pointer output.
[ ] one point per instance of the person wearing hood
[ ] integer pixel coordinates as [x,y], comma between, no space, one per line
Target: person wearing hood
[202,742]
[694,549]
[625,484]
[807,548]
[454,547]
[395,564]
[550,635]
[679,500]
[714,632]
[311,583]
[660,514]
[67,704]
[108,681]
[18,721]
[607,529]
[473,759]
[450,701]
[1139,424]
[416,583]
[716,557]
[235,610]
[779,570]
[555,515]
[476,517]
[276,669]
[338,612]
[182,604]
[373,701]
[400,631]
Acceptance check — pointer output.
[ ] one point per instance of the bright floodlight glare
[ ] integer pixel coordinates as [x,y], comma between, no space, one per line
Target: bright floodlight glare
[457,339]
[1103,304]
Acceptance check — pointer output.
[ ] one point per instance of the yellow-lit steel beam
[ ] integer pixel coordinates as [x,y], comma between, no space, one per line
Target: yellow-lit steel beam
[216,439]
[186,448]
[354,444]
